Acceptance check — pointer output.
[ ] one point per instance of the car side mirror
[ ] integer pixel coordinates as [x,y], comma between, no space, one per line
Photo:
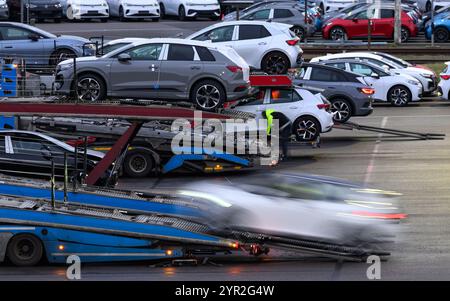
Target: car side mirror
[34,37]
[124,57]
[375,75]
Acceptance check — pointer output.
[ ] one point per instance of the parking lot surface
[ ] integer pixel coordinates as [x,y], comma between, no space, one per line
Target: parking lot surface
[418,169]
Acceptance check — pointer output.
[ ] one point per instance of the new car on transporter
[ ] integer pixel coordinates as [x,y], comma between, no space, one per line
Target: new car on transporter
[173,69]
[268,46]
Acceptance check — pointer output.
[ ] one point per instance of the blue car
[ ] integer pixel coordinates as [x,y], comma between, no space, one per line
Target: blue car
[39,48]
[441,28]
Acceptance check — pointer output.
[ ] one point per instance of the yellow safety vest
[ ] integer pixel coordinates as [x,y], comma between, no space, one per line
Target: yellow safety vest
[269,120]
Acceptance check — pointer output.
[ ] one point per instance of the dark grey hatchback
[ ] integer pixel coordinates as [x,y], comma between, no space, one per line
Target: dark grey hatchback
[348,93]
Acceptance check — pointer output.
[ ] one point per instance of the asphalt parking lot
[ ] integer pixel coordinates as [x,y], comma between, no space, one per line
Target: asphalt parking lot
[420,170]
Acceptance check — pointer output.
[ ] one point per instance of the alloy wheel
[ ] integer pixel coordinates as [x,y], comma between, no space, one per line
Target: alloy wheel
[404,35]
[306,130]
[299,32]
[399,97]
[337,34]
[208,97]
[276,64]
[341,109]
[138,163]
[88,89]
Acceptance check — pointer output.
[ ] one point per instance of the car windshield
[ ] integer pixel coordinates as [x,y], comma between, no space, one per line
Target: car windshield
[395,59]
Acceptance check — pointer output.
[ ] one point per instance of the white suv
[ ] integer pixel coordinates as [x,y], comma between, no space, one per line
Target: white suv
[333,5]
[268,46]
[86,9]
[190,8]
[134,9]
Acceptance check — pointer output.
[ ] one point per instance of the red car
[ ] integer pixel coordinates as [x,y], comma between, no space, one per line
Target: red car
[356,25]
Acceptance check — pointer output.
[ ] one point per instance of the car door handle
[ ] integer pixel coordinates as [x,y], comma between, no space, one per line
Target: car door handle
[9,47]
[195,68]
[293,108]
[331,87]
[262,43]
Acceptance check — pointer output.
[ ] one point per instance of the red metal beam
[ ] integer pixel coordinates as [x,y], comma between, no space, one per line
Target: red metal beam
[153,112]
[118,148]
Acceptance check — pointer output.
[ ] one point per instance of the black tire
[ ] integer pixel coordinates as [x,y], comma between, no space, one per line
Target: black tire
[441,35]
[322,8]
[57,20]
[138,164]
[428,6]
[399,96]
[61,55]
[25,250]
[208,95]
[121,15]
[306,128]
[299,32]
[182,13]
[343,109]
[405,34]
[155,20]
[337,33]
[275,63]
[104,20]
[90,87]
[162,11]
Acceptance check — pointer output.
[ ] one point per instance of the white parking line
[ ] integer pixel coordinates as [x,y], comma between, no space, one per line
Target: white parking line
[371,165]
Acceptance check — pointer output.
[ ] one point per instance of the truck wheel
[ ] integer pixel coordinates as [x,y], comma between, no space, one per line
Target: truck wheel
[25,250]
[138,164]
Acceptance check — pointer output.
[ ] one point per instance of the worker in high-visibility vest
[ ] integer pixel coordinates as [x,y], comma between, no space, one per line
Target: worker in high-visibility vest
[285,129]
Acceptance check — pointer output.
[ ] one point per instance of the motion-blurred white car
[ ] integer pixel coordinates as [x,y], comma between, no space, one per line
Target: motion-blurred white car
[268,46]
[86,9]
[333,5]
[308,110]
[293,208]
[185,9]
[426,77]
[444,84]
[134,9]
[399,90]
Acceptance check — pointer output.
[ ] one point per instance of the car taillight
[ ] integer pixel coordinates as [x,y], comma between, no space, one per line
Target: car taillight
[292,42]
[367,91]
[323,106]
[445,76]
[368,214]
[234,69]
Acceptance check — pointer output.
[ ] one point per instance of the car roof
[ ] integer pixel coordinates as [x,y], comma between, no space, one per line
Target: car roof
[351,60]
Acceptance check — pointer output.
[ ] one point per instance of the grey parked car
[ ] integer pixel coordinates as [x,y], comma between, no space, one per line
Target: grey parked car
[348,93]
[283,12]
[37,47]
[4,10]
[168,69]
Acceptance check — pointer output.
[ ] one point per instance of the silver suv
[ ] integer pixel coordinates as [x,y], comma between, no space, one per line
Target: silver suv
[168,69]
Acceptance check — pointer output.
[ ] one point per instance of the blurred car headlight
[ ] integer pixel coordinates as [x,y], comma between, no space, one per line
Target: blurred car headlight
[427,75]
[58,5]
[62,67]
[413,82]
[205,196]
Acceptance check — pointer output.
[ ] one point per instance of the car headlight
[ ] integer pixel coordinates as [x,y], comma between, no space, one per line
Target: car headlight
[3,6]
[413,82]
[427,75]
[58,5]
[30,5]
[63,67]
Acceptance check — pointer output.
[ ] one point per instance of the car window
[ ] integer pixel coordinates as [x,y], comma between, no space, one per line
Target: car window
[149,52]
[204,54]
[26,145]
[259,15]
[249,32]
[14,33]
[365,14]
[282,13]
[109,48]
[361,69]
[387,13]
[322,74]
[283,96]
[337,65]
[178,52]
[221,34]
[256,99]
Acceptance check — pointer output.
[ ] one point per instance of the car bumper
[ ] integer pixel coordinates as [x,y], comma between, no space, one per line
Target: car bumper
[139,12]
[238,91]
[90,12]
[416,93]
[203,11]
[444,89]
[46,13]
[63,81]
[363,107]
